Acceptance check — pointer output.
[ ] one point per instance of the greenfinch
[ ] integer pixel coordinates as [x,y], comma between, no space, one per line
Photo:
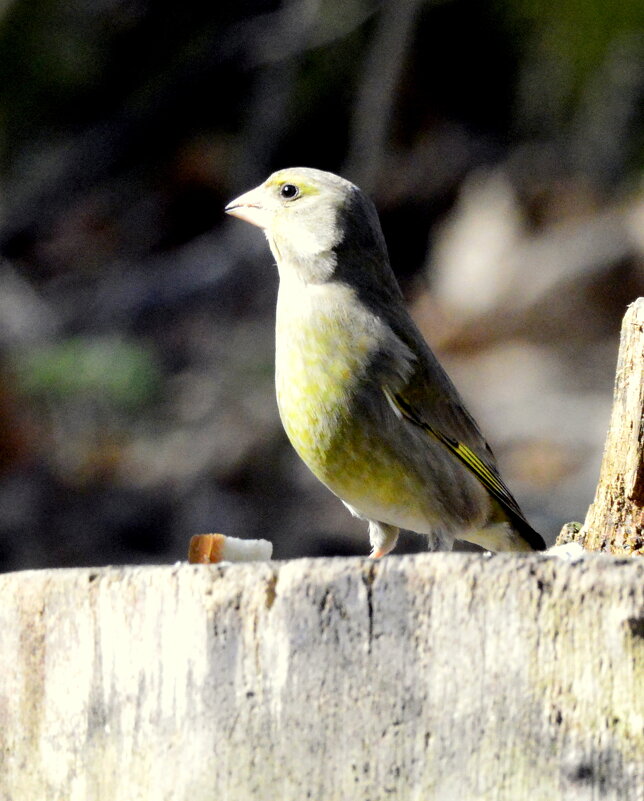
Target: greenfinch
[362,398]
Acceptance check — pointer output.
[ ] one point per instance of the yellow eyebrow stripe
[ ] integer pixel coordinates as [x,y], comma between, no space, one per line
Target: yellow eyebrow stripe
[281,178]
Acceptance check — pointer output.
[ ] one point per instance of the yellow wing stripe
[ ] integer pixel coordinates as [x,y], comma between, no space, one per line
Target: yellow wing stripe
[472,460]
[464,454]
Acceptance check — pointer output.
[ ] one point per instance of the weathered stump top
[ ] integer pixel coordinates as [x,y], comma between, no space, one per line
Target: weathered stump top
[437,676]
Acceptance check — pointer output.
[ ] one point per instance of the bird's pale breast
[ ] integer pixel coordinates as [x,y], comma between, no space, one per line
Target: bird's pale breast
[321,360]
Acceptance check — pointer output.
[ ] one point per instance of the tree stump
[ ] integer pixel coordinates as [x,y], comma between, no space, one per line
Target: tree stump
[615,519]
[435,677]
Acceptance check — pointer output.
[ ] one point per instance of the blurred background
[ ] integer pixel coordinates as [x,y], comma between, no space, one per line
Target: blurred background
[503,143]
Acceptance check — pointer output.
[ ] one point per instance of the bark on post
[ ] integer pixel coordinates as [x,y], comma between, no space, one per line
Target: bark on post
[615,519]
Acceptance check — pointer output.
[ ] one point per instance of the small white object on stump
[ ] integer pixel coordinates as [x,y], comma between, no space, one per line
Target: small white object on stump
[207,549]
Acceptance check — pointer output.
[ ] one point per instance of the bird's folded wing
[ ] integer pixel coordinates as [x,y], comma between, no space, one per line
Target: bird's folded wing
[484,472]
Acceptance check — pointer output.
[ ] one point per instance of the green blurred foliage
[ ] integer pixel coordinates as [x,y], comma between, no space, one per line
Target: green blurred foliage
[104,371]
[565,43]
[578,33]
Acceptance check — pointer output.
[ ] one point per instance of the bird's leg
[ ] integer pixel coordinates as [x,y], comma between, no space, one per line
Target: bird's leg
[382,537]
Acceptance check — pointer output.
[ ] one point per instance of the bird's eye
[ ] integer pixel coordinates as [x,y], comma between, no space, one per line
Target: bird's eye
[289,191]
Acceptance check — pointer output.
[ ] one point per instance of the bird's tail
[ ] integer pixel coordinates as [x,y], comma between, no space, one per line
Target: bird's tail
[516,536]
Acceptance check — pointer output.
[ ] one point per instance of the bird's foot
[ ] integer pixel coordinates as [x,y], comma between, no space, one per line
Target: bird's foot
[383,538]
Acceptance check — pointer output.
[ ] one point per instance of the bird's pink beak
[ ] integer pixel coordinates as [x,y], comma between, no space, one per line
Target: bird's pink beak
[248,207]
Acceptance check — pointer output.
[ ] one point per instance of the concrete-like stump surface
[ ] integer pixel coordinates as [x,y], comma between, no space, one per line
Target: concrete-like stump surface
[438,676]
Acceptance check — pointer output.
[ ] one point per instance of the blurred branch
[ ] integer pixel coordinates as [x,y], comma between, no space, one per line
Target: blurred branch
[432,165]
[266,38]
[25,317]
[382,68]
[267,118]
[276,42]
[608,111]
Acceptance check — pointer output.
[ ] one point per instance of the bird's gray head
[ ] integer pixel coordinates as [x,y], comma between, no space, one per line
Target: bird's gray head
[319,225]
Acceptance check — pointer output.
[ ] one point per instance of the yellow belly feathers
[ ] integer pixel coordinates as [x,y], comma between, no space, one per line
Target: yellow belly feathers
[320,358]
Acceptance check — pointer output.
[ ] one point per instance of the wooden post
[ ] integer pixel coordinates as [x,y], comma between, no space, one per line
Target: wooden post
[615,519]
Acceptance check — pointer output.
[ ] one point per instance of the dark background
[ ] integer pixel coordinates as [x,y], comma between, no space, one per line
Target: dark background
[502,141]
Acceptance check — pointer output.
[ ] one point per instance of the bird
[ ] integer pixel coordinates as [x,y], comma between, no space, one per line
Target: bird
[363,399]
